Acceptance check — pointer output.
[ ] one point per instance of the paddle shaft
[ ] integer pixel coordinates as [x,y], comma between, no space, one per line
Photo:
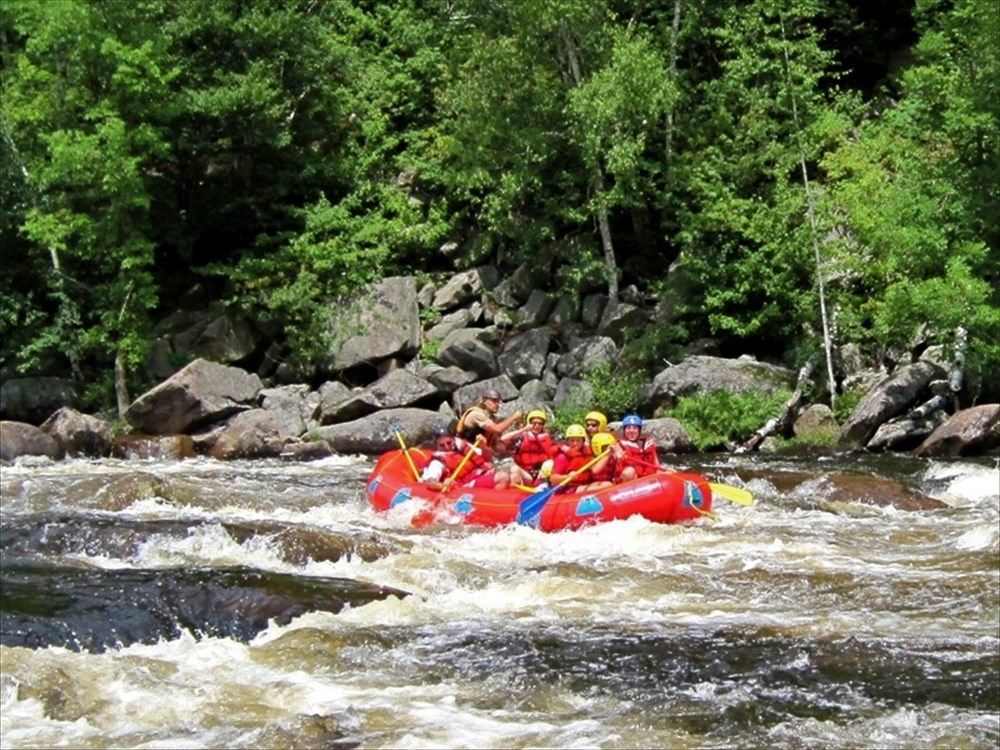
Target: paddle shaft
[461,464]
[406,452]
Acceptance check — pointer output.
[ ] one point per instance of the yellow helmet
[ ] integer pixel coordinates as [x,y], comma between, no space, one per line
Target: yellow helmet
[601,442]
[602,421]
[537,414]
[575,431]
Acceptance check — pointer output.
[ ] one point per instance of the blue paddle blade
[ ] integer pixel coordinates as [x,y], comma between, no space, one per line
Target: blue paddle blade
[530,509]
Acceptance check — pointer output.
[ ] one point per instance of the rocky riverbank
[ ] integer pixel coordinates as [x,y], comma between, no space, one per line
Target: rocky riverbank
[409,358]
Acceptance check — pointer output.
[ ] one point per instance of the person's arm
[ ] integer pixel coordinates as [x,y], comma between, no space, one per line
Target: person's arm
[432,474]
[651,452]
[508,436]
[496,429]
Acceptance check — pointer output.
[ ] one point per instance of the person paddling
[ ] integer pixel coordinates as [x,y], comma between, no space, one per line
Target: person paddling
[450,453]
[532,446]
[481,420]
[602,474]
[635,453]
[572,454]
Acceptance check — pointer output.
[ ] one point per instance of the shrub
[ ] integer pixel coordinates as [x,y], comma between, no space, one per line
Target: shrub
[615,394]
[846,404]
[716,418]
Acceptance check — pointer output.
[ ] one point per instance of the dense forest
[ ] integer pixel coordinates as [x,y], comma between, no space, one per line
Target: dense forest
[799,167]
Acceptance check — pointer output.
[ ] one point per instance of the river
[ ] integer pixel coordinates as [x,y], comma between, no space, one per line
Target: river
[255,604]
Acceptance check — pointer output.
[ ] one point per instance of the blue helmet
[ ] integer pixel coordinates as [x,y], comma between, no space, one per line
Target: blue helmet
[632,420]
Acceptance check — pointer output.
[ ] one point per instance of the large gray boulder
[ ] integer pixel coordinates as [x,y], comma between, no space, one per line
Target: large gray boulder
[33,399]
[446,379]
[702,374]
[566,310]
[376,433]
[79,434]
[202,392]
[22,439]
[397,389]
[592,309]
[384,322]
[451,322]
[619,319]
[470,349]
[257,433]
[890,398]
[465,287]
[216,333]
[966,432]
[524,356]
[817,422]
[470,395]
[587,355]
[573,392]
[293,406]
[535,311]
[516,288]
[905,433]
[331,394]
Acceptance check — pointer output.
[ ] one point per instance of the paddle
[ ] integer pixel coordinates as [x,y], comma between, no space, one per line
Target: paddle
[461,464]
[725,491]
[424,517]
[406,452]
[531,507]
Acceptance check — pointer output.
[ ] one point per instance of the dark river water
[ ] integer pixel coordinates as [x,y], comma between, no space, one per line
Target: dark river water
[263,604]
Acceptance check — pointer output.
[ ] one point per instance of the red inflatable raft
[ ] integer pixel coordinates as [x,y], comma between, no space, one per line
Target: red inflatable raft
[665,497]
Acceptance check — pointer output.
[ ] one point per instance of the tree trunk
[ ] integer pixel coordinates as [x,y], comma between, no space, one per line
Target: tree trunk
[783,421]
[668,141]
[121,382]
[811,212]
[597,183]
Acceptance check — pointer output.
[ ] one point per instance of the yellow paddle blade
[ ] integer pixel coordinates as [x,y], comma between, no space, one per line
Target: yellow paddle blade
[730,493]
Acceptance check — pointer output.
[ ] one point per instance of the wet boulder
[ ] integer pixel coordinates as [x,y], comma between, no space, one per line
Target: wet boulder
[257,433]
[905,433]
[160,447]
[79,434]
[845,487]
[383,322]
[704,374]
[376,433]
[524,356]
[890,398]
[33,399]
[968,432]
[202,392]
[23,439]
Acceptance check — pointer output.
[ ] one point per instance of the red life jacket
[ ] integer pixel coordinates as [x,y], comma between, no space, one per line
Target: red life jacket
[607,474]
[639,454]
[533,450]
[575,459]
[451,459]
